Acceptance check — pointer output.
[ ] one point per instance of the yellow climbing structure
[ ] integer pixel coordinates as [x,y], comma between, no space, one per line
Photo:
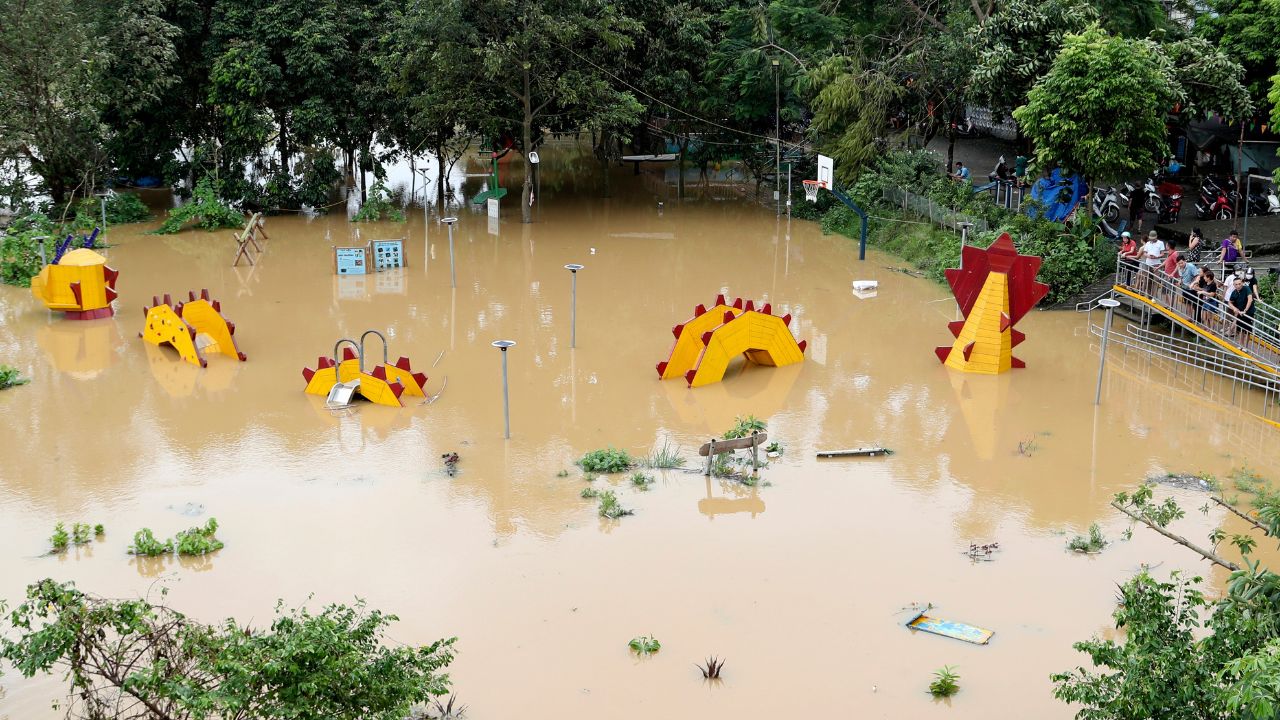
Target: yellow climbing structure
[81,284]
[711,339]
[386,384]
[192,328]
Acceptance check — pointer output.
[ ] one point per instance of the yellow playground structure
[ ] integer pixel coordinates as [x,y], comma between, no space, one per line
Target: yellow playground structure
[192,328]
[708,341]
[341,380]
[80,284]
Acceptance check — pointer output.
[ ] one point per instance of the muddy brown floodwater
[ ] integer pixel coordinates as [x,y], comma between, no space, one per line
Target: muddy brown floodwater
[799,584]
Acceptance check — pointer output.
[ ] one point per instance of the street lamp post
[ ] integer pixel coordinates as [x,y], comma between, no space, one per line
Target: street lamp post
[573,269]
[1110,304]
[777,140]
[506,400]
[453,273]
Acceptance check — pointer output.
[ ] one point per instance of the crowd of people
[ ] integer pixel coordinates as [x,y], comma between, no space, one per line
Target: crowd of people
[1185,280]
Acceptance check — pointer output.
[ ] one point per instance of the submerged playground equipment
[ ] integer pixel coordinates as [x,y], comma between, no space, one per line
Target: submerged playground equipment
[995,288]
[79,283]
[192,328]
[341,380]
[706,342]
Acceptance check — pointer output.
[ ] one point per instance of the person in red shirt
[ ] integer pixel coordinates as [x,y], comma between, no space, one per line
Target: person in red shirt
[1129,253]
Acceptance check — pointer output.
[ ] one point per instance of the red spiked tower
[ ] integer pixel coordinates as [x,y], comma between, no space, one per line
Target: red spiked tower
[995,288]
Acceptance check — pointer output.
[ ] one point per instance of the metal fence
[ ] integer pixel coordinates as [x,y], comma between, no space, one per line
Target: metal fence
[937,214]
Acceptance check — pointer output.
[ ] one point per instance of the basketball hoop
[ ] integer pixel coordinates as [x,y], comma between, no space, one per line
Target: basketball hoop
[811,189]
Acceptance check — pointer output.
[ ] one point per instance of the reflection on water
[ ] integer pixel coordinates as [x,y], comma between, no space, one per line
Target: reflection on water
[506,555]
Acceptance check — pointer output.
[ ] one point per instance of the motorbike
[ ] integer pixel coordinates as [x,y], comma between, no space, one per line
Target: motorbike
[1106,204]
[1164,200]
[1216,200]
[1262,200]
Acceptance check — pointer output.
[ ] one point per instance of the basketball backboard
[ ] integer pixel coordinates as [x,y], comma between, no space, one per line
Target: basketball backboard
[826,172]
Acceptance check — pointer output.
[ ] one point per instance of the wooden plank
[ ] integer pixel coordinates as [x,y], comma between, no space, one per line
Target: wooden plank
[724,446]
[852,452]
[951,629]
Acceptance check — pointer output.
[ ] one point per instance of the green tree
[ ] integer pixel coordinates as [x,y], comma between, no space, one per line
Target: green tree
[1018,45]
[136,659]
[1100,109]
[850,105]
[1211,81]
[1248,31]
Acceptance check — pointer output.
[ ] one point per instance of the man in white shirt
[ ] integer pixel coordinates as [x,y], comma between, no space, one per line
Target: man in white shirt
[1152,256]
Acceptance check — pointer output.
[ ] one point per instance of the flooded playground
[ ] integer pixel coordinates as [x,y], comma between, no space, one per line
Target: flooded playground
[801,583]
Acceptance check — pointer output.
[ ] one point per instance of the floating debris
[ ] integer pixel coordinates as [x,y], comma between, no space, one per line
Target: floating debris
[450,463]
[950,628]
[982,553]
[855,452]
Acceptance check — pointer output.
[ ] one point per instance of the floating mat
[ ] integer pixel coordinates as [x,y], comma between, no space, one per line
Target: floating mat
[947,628]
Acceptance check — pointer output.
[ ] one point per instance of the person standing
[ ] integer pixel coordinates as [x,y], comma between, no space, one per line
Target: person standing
[1241,307]
[1137,206]
[1230,250]
[1128,254]
[1152,254]
[1195,245]
[1186,275]
[1206,289]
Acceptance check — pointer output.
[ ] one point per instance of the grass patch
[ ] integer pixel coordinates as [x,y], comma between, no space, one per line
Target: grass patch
[664,458]
[641,480]
[1094,543]
[608,460]
[610,507]
[589,492]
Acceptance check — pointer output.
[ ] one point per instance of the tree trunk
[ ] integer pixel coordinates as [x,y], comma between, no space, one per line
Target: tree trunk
[526,131]
[283,145]
[364,191]
[440,182]
[684,149]
[951,149]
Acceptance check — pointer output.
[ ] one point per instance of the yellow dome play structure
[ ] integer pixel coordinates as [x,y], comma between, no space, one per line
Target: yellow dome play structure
[192,328]
[384,385]
[708,341]
[80,284]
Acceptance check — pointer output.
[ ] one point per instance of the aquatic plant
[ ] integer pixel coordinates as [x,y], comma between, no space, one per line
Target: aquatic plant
[722,468]
[99,530]
[562,474]
[60,538]
[644,645]
[378,206]
[610,507]
[11,377]
[589,492]
[438,710]
[944,682]
[80,533]
[1094,543]
[711,668]
[775,447]
[641,480]
[1027,448]
[744,426]
[199,540]
[146,544]
[608,460]
[664,458]
[205,209]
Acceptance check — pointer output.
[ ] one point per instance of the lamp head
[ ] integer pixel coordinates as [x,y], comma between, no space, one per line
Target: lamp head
[503,344]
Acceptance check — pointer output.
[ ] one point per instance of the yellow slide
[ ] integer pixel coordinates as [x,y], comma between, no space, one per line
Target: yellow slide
[707,343]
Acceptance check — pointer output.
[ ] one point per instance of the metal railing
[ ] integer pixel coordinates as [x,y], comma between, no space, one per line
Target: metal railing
[1210,316]
[938,214]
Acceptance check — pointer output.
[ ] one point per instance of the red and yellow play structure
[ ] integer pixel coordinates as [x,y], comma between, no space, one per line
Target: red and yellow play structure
[995,288]
[386,384]
[192,328]
[708,341]
[80,284]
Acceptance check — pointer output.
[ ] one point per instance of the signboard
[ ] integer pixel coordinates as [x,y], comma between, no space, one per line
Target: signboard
[350,260]
[387,254]
[826,172]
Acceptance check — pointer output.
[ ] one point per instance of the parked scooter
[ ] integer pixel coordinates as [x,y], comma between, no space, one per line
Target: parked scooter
[1106,204]
[1215,199]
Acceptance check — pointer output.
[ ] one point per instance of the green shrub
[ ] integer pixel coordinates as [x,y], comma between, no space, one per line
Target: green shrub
[199,540]
[20,251]
[122,209]
[11,377]
[60,538]
[644,645]
[641,480]
[1094,543]
[81,533]
[610,507]
[205,209]
[744,426]
[99,531]
[378,206]
[944,683]
[589,492]
[608,460]
[146,544]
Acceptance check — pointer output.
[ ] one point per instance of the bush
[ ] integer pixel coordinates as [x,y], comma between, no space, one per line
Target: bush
[60,538]
[944,682]
[146,544]
[1092,544]
[644,645]
[199,540]
[19,250]
[610,507]
[744,426]
[122,209]
[205,209]
[11,377]
[641,480]
[378,206]
[608,460]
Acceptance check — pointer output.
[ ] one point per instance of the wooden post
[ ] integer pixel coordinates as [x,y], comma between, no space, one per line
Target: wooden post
[710,456]
[755,452]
